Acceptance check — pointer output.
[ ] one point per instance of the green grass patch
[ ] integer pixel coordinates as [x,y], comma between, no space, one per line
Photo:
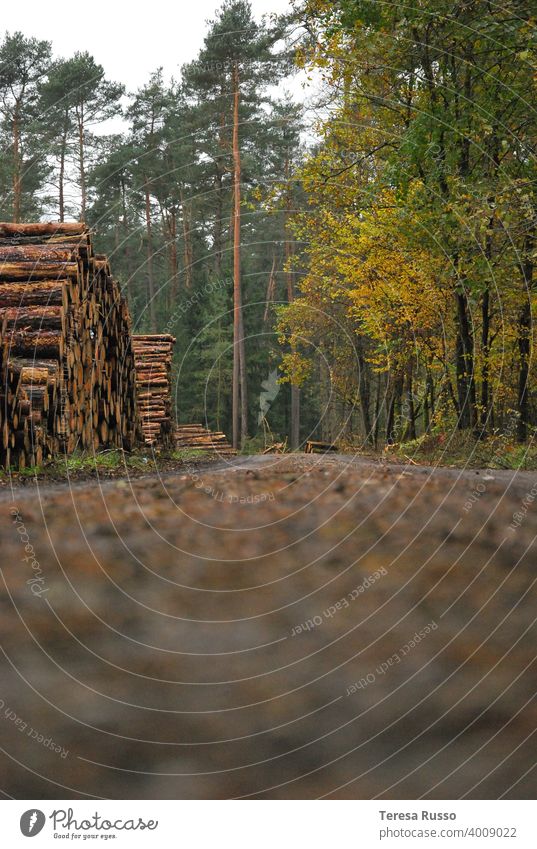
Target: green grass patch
[28,472]
[86,462]
[187,455]
[460,450]
[112,463]
[111,460]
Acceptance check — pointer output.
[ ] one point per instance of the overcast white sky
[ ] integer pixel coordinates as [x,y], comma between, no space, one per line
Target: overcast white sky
[129,39]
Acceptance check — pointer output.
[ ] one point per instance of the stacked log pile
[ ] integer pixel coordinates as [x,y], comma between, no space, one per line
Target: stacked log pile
[66,356]
[153,361]
[195,436]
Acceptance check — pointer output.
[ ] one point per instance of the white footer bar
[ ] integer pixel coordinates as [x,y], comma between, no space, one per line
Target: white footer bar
[268,824]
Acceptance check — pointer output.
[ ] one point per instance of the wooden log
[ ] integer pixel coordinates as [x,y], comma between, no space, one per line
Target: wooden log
[37,270]
[34,317]
[42,228]
[37,293]
[35,342]
[37,253]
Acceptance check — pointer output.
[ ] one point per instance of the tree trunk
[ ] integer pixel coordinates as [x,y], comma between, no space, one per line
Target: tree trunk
[295,391]
[364,392]
[219,216]
[465,365]
[243,382]
[219,387]
[271,290]
[524,326]
[126,249]
[82,166]
[485,346]
[395,404]
[217,246]
[524,339]
[188,255]
[487,411]
[377,412]
[239,403]
[428,402]
[174,265]
[61,189]
[16,167]
[326,396]
[410,430]
[150,278]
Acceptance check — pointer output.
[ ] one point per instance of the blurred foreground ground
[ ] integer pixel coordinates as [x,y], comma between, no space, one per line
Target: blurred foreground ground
[286,627]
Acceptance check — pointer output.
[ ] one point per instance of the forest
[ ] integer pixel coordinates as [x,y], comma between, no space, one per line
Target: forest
[268,412]
[359,267]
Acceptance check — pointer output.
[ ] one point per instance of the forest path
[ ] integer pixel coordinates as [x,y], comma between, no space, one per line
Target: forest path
[288,626]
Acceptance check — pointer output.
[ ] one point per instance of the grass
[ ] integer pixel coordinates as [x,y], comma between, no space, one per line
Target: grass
[112,460]
[460,450]
[186,455]
[29,472]
[107,463]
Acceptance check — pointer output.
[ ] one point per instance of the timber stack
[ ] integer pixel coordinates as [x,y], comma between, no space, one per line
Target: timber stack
[197,437]
[153,361]
[66,356]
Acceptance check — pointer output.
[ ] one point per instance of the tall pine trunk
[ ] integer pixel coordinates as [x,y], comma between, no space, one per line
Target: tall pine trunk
[125,237]
[82,166]
[217,237]
[150,277]
[188,255]
[239,394]
[61,187]
[219,188]
[174,265]
[16,166]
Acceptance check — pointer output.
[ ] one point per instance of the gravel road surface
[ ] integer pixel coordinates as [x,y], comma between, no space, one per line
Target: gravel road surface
[275,627]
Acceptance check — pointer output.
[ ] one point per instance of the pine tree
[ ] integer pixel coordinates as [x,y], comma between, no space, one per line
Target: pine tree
[148,113]
[24,63]
[78,97]
[233,67]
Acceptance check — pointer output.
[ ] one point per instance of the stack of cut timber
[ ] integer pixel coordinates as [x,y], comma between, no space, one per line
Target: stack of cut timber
[198,437]
[67,365]
[153,362]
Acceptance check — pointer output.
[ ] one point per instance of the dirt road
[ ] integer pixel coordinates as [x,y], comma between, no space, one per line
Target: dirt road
[289,627]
